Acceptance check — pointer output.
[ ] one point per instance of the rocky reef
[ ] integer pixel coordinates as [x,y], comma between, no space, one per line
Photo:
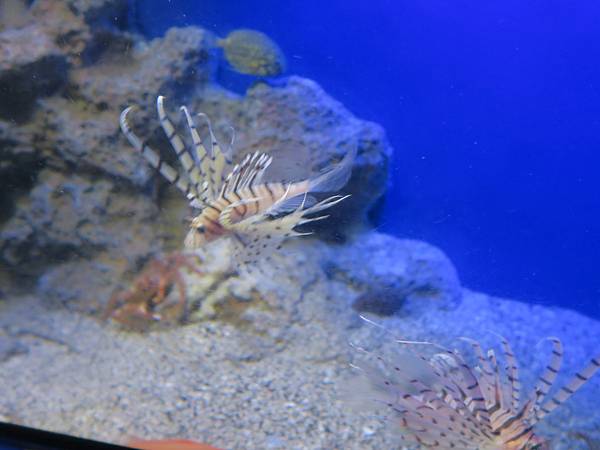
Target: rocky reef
[79,206]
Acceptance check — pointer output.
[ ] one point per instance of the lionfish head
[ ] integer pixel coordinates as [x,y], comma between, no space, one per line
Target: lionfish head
[199,233]
[195,238]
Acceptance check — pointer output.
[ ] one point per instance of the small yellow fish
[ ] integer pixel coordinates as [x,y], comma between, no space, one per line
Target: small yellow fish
[258,215]
[253,53]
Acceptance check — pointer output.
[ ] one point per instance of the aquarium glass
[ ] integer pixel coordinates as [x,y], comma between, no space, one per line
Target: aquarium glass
[300,225]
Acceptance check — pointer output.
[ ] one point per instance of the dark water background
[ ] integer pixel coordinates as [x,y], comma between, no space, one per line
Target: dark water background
[493,109]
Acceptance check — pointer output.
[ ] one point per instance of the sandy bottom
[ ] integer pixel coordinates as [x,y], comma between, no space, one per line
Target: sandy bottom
[271,379]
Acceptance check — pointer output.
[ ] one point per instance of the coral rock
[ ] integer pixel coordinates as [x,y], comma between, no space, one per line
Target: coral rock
[400,274]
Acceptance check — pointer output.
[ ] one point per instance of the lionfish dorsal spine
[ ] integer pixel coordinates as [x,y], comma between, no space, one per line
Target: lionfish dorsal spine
[186,159]
[578,380]
[487,378]
[512,373]
[246,174]
[472,387]
[201,161]
[548,377]
[217,163]
[173,176]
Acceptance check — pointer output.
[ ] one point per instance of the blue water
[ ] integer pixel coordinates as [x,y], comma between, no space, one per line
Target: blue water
[493,109]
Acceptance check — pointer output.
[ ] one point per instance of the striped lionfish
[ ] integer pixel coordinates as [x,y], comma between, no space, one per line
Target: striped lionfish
[235,201]
[457,406]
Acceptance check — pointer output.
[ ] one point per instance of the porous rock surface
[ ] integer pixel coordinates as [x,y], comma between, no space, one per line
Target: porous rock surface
[396,275]
[74,194]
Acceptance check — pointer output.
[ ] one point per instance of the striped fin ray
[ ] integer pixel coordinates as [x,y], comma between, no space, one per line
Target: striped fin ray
[254,177]
[283,226]
[487,378]
[512,373]
[423,426]
[503,417]
[183,155]
[548,377]
[217,163]
[468,426]
[424,416]
[156,162]
[246,174]
[518,434]
[501,422]
[517,431]
[471,387]
[451,392]
[201,156]
[572,386]
[427,420]
[448,393]
[501,406]
[461,388]
[451,386]
[444,411]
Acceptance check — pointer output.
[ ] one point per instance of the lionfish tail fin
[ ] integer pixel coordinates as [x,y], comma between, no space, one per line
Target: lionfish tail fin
[337,177]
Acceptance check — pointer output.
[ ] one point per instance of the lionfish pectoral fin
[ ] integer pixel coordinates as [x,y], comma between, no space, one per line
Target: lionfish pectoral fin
[253,249]
[285,225]
[262,235]
[324,204]
[309,220]
[292,204]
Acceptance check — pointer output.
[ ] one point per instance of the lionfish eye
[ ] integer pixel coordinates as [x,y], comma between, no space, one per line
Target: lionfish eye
[201,229]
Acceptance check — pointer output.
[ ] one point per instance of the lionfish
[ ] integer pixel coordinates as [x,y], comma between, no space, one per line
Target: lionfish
[454,405]
[235,201]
